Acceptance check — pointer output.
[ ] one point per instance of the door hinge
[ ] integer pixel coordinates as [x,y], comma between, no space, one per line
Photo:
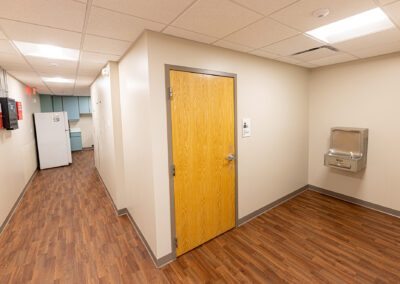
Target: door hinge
[176,242]
[170,93]
[173,170]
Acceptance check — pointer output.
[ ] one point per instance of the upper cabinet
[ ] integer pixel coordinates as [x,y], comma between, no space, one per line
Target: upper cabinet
[46,103]
[57,104]
[85,105]
[71,106]
[75,106]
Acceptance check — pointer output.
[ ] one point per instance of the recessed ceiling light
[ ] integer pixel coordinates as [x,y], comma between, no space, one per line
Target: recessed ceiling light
[368,22]
[58,80]
[47,51]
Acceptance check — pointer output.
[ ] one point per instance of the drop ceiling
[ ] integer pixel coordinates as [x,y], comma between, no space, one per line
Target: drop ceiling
[102,30]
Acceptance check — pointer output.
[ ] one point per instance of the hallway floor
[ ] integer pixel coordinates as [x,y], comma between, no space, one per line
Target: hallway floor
[65,230]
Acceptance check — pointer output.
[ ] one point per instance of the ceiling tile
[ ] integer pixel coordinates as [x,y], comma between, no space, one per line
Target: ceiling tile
[299,15]
[6,47]
[84,81]
[189,35]
[62,14]
[44,91]
[2,35]
[261,33]
[233,46]
[39,34]
[13,62]
[306,64]
[114,25]
[315,54]
[29,78]
[215,18]
[378,50]
[265,7]
[105,45]
[263,53]
[289,59]
[82,91]
[53,66]
[384,37]
[163,11]
[385,2]
[62,91]
[293,45]
[91,63]
[393,12]
[334,59]
[98,57]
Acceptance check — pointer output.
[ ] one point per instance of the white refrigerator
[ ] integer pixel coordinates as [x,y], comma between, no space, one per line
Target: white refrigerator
[53,140]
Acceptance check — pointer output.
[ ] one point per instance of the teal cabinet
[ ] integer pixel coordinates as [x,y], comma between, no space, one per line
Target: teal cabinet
[46,103]
[71,106]
[76,141]
[57,103]
[84,105]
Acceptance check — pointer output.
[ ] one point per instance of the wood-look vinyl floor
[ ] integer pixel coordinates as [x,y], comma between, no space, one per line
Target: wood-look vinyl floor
[65,231]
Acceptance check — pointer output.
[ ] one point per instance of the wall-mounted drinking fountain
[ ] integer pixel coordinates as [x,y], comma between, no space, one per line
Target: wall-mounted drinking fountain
[348,149]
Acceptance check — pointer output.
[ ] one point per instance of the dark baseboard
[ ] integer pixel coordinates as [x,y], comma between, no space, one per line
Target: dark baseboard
[356,201]
[87,148]
[158,262]
[108,193]
[267,207]
[4,225]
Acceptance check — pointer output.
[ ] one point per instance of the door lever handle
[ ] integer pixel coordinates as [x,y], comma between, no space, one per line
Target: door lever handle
[231,157]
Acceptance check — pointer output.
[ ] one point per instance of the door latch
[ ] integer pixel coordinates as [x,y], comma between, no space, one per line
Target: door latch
[231,157]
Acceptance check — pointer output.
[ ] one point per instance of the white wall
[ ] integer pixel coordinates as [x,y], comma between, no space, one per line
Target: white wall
[85,123]
[103,138]
[272,94]
[360,94]
[137,139]
[17,150]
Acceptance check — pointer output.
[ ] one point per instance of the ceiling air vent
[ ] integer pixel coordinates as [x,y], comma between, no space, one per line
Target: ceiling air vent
[315,49]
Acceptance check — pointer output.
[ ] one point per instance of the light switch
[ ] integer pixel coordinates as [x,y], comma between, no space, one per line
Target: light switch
[246,127]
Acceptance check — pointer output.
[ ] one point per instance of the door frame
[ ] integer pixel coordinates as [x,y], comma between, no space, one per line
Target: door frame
[169,68]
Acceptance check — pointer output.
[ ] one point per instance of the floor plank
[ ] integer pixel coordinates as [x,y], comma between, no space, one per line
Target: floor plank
[65,231]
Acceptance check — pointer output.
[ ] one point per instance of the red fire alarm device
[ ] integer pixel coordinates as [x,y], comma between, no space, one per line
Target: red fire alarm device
[19,109]
[1,118]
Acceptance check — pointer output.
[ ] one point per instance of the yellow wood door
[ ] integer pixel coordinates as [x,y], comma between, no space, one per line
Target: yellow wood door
[203,136]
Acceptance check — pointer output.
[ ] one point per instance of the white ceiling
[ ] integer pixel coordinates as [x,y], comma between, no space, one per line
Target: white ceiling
[104,29]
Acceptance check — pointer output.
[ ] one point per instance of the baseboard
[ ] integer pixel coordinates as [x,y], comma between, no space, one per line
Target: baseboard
[87,148]
[158,262]
[108,193]
[370,205]
[9,216]
[267,207]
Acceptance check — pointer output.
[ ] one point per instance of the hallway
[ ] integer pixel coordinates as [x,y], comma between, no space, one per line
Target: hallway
[65,230]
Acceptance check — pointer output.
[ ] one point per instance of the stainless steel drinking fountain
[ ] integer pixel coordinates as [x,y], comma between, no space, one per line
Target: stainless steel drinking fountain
[348,149]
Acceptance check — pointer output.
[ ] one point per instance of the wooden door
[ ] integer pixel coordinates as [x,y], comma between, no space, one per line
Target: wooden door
[203,136]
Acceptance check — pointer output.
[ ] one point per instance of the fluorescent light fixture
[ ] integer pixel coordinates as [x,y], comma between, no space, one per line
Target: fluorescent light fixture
[368,22]
[47,51]
[58,80]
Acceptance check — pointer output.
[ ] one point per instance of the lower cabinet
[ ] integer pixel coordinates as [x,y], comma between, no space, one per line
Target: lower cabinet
[76,141]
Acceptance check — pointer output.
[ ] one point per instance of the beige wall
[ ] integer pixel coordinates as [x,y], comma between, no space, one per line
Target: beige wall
[17,150]
[85,123]
[137,136]
[103,138]
[272,162]
[360,94]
